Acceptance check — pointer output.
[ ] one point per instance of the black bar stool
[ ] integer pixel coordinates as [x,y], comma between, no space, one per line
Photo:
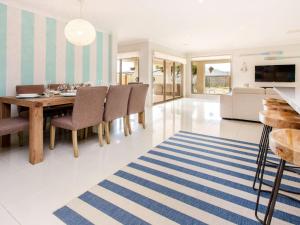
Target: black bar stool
[286,145]
[272,104]
[271,119]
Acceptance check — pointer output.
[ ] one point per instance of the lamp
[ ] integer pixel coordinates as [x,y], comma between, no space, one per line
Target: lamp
[80,32]
[244,67]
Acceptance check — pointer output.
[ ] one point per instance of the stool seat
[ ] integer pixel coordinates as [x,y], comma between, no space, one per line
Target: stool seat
[286,144]
[281,108]
[280,120]
[274,101]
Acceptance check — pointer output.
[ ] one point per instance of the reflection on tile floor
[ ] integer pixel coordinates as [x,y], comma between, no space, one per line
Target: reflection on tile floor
[29,194]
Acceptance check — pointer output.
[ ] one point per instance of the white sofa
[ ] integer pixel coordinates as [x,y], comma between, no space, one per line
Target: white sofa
[245,103]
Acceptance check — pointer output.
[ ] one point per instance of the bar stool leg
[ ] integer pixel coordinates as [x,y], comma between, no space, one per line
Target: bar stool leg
[262,164]
[264,148]
[262,139]
[274,194]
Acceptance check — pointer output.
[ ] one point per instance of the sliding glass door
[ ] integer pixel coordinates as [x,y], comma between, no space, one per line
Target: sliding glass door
[158,80]
[179,71]
[167,80]
[169,77]
[128,71]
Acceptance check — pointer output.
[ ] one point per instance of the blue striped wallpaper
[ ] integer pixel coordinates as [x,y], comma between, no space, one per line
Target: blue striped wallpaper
[50,58]
[70,63]
[86,64]
[110,58]
[100,57]
[27,45]
[50,50]
[3,37]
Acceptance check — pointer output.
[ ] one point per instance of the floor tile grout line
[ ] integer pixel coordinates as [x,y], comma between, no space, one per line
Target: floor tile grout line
[10,214]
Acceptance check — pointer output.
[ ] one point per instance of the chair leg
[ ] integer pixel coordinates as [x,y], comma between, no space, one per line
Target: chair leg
[86,130]
[52,137]
[45,123]
[140,117]
[75,143]
[107,135]
[100,134]
[81,134]
[21,138]
[143,120]
[129,124]
[125,125]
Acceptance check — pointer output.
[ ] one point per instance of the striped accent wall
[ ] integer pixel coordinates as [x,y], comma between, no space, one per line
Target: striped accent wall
[34,51]
[3,38]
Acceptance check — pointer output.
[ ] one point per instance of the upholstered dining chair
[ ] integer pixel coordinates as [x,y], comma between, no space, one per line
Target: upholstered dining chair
[62,109]
[116,107]
[136,103]
[35,89]
[28,89]
[14,125]
[87,112]
[54,86]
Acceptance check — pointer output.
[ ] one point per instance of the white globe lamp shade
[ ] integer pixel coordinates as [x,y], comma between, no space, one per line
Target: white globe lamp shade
[80,32]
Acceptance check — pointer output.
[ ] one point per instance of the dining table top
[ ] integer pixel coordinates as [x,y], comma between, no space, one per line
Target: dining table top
[37,102]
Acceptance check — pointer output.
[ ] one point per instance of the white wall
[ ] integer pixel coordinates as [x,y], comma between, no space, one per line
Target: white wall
[240,78]
[146,50]
[145,61]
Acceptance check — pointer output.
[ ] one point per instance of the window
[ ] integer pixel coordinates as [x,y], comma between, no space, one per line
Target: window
[211,77]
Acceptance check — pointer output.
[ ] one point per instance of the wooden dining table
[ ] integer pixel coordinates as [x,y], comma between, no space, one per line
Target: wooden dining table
[36,118]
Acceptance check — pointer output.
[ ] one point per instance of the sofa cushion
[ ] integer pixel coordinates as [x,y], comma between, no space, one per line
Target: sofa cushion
[259,91]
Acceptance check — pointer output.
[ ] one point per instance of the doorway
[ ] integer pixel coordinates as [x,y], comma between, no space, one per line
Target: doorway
[167,80]
[128,71]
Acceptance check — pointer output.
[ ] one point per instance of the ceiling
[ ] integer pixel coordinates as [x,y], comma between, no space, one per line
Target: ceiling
[187,25]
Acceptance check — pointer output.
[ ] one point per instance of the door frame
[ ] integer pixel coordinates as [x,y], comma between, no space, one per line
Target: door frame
[120,78]
[173,74]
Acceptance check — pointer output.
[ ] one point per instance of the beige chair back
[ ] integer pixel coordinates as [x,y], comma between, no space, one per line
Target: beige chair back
[137,99]
[54,86]
[28,89]
[88,107]
[116,102]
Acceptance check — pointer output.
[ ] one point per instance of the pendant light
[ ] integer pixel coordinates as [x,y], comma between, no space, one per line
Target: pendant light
[80,32]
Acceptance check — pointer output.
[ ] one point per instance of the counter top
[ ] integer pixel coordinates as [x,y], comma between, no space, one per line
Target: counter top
[291,95]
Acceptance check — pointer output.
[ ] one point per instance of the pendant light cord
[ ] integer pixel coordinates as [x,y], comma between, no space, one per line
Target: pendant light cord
[80,2]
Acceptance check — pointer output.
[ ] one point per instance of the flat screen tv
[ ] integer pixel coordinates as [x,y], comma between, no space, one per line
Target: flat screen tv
[275,73]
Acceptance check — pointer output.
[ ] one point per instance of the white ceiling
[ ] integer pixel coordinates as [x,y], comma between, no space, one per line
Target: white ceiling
[187,25]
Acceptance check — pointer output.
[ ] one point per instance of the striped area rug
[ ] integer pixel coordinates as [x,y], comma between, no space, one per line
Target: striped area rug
[188,179]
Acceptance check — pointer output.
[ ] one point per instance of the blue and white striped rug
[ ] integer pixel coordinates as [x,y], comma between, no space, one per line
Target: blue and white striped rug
[188,179]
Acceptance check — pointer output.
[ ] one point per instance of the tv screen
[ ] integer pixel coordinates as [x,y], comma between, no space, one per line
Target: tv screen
[275,73]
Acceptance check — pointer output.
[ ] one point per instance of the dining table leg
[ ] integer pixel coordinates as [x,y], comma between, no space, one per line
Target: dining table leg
[5,112]
[140,119]
[36,146]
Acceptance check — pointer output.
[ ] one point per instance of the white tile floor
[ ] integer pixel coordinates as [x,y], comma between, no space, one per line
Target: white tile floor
[29,194]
